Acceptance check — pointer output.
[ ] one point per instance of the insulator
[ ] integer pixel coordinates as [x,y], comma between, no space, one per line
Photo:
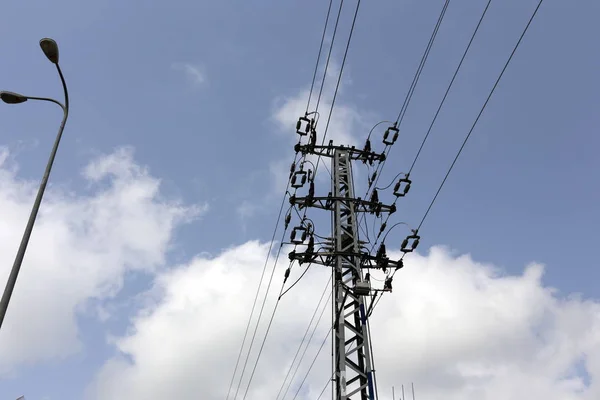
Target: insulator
[375,196]
[302,131]
[298,235]
[400,264]
[313,137]
[368,276]
[329,201]
[388,284]
[299,179]
[292,169]
[362,288]
[287,274]
[381,253]
[383,226]
[415,242]
[292,255]
[310,248]
[288,218]
[311,189]
[391,135]
[367,150]
[373,177]
[402,187]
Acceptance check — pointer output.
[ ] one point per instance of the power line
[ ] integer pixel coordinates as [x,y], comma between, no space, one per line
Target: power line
[313,363]
[471,130]
[421,65]
[413,86]
[407,99]
[306,348]
[329,54]
[319,55]
[275,229]
[304,337]
[441,103]
[258,321]
[262,345]
[256,296]
[480,113]
[337,86]
[449,86]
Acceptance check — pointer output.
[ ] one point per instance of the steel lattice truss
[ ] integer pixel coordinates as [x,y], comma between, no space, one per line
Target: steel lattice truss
[352,361]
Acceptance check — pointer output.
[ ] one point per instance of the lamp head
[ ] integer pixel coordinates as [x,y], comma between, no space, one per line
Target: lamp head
[50,49]
[12,98]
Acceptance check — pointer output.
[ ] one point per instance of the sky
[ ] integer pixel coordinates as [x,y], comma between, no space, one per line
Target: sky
[155,226]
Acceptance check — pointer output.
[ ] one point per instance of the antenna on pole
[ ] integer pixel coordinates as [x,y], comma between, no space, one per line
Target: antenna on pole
[413,390]
[393,394]
[402,392]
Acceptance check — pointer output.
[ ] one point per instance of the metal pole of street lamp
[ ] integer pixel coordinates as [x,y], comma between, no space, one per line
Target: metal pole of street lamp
[50,49]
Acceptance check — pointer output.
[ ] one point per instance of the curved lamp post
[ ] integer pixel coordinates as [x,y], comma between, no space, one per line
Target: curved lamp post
[50,49]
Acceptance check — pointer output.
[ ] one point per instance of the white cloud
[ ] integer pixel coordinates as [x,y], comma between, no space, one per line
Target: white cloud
[457,328]
[194,73]
[80,250]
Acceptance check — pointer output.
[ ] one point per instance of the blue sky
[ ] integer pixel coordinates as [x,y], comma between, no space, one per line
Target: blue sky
[181,126]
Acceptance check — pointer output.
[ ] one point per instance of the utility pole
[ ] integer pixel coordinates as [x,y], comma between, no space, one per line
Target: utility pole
[347,255]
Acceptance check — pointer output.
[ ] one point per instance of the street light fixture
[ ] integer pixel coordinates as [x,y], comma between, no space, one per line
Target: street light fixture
[50,49]
[12,98]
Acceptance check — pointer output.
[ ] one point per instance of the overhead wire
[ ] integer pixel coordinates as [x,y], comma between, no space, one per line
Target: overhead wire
[278,217]
[304,337]
[262,345]
[257,325]
[473,126]
[412,88]
[407,99]
[450,86]
[337,86]
[480,113]
[313,363]
[312,85]
[306,348]
[337,21]
[325,388]
[421,66]
[457,70]
[256,296]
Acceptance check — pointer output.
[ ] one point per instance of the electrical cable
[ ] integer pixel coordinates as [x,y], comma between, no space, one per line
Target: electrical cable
[421,66]
[337,21]
[304,337]
[337,86]
[412,88]
[296,282]
[450,85]
[312,364]
[473,127]
[257,293]
[480,113]
[258,323]
[262,345]
[312,85]
[325,388]
[407,99]
[473,35]
[306,348]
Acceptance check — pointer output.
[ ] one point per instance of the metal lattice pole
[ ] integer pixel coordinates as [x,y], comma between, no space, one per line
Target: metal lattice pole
[353,375]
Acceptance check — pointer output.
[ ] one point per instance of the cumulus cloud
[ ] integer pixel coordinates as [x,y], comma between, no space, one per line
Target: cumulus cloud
[194,73]
[457,328]
[81,248]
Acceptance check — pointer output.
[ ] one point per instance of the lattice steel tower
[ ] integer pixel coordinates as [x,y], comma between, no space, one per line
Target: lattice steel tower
[347,255]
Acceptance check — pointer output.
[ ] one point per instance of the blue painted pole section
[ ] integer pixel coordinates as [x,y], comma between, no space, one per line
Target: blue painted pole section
[369,373]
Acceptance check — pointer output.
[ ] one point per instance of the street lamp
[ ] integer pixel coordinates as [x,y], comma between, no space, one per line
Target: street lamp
[50,49]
